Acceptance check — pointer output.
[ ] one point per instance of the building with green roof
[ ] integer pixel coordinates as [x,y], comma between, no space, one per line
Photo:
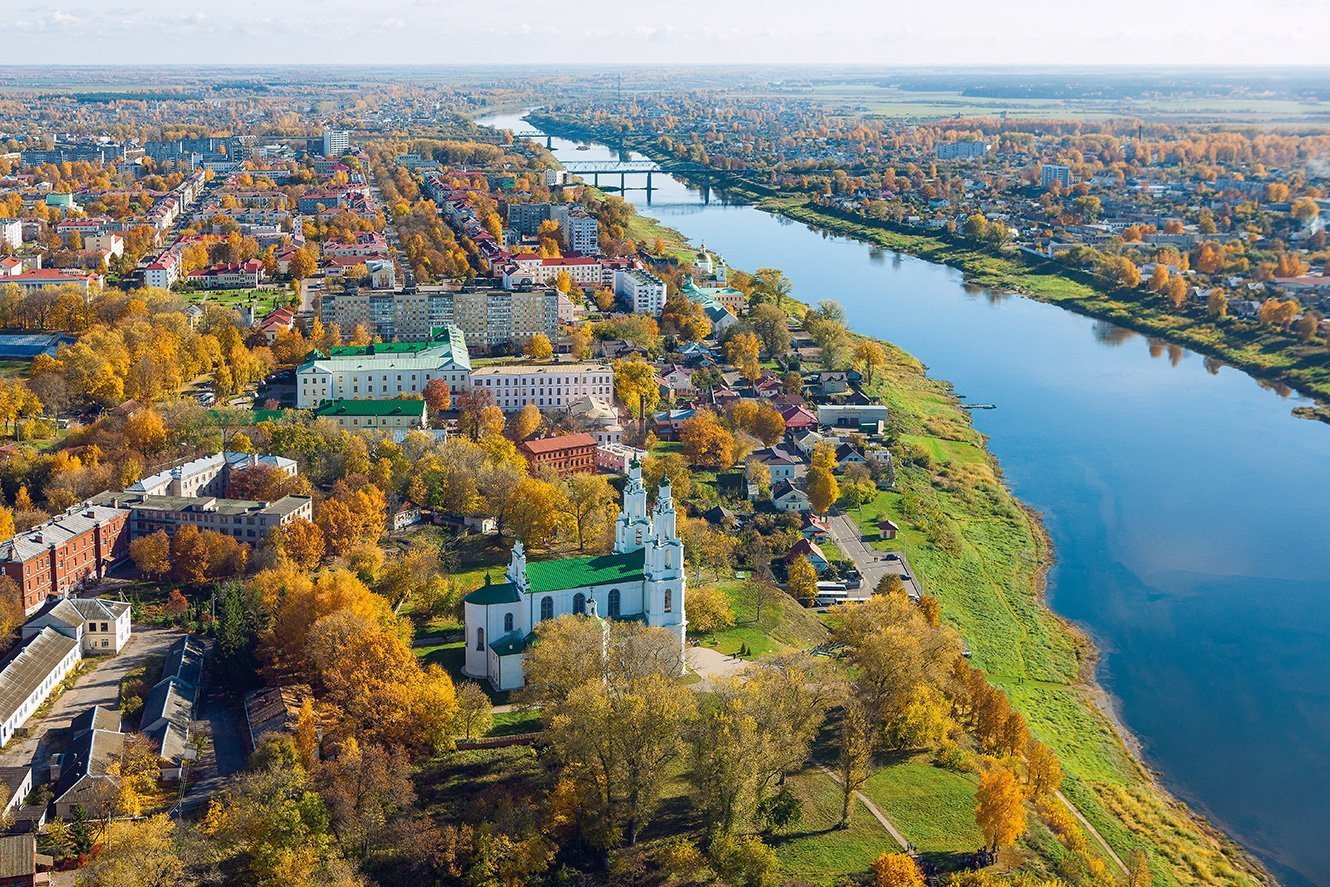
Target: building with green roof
[384,370]
[642,579]
[406,413]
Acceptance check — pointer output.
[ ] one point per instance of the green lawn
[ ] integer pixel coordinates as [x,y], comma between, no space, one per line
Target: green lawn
[933,807]
[784,624]
[14,369]
[816,851]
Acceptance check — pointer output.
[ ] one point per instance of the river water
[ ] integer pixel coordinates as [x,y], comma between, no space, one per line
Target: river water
[1190,512]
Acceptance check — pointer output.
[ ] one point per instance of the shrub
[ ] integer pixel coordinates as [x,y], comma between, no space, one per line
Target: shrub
[745,861]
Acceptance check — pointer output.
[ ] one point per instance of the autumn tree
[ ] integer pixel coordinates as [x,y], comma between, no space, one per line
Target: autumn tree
[742,348]
[1043,769]
[189,556]
[535,512]
[301,541]
[538,347]
[1216,303]
[590,507]
[869,358]
[802,580]
[152,554]
[474,710]
[350,518]
[753,732]
[1000,807]
[855,757]
[635,386]
[896,870]
[706,441]
[438,396]
[708,609]
[365,786]
[527,422]
[822,486]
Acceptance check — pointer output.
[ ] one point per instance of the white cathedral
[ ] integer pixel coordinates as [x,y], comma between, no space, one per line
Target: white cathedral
[642,579]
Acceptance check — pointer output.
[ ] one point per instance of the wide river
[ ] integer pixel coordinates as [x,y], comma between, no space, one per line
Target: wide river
[1189,510]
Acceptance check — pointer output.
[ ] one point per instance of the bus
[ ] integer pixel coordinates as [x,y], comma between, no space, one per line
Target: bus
[831,593]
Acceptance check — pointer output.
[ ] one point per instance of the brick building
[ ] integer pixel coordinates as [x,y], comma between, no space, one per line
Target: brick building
[56,557]
[565,454]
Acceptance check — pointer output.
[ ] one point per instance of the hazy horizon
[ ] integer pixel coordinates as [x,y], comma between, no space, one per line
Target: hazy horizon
[1283,33]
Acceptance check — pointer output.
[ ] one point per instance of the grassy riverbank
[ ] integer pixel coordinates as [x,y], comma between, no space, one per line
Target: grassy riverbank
[985,558]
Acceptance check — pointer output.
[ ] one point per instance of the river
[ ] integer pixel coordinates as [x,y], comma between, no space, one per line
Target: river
[1190,512]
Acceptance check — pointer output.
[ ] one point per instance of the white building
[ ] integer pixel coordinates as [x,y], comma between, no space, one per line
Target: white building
[645,292]
[384,370]
[529,269]
[100,626]
[643,578]
[336,142]
[11,233]
[164,270]
[207,475]
[580,231]
[42,662]
[548,386]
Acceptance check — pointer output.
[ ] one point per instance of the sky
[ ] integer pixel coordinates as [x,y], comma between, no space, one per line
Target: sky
[886,32]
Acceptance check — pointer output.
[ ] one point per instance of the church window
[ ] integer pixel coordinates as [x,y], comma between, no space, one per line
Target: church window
[546,608]
[507,622]
[669,601]
[579,604]
[614,603]
[480,640]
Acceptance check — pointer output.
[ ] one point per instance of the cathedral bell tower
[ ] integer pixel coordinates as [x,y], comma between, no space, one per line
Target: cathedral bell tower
[664,570]
[632,527]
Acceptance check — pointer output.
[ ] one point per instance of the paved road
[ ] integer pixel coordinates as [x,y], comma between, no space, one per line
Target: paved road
[100,686]
[220,717]
[872,564]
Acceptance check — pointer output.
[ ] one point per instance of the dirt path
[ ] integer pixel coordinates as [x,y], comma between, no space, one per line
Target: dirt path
[872,808]
[1085,823]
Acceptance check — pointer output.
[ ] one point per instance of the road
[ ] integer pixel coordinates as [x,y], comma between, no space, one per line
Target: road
[872,564]
[100,686]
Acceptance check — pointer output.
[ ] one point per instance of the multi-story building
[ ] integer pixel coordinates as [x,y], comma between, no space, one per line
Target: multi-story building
[100,626]
[528,269]
[164,270]
[11,233]
[549,386]
[366,244]
[375,414]
[242,519]
[207,475]
[489,318]
[44,277]
[961,150]
[1053,172]
[383,371]
[56,557]
[336,142]
[645,292]
[526,217]
[564,455]
[579,230]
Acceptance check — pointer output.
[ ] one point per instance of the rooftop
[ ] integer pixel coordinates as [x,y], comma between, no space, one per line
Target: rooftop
[398,407]
[559,442]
